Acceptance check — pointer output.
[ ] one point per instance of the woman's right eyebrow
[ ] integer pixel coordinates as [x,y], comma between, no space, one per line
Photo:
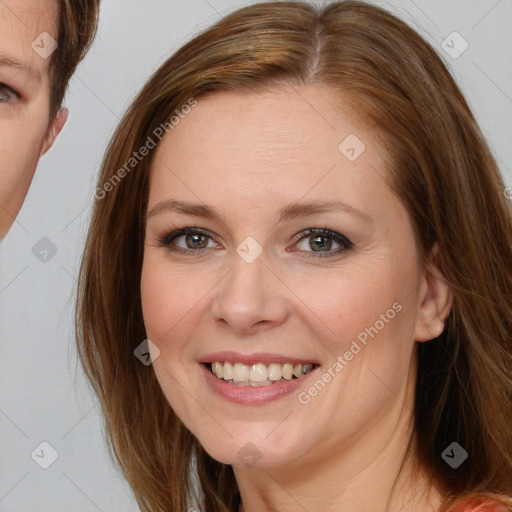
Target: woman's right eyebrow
[7,61]
[292,211]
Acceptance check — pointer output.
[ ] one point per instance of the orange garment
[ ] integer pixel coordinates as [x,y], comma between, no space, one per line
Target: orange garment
[479,504]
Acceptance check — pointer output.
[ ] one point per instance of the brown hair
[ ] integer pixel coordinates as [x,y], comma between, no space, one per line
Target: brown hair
[440,167]
[76,28]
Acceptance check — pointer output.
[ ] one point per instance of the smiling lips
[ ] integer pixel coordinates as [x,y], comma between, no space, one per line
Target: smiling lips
[258,374]
[258,378]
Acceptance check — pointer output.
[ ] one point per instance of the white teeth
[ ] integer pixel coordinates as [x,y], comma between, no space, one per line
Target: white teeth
[217,369]
[287,371]
[227,371]
[275,371]
[258,374]
[240,372]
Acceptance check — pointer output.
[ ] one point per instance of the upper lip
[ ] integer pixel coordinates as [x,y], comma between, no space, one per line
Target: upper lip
[254,358]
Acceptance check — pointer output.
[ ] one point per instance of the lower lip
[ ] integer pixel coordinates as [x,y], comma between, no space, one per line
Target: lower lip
[251,395]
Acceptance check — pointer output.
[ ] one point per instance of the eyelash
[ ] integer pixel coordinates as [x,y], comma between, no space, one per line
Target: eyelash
[10,90]
[346,244]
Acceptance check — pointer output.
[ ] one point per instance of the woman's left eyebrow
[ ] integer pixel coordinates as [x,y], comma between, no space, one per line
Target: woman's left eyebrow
[292,211]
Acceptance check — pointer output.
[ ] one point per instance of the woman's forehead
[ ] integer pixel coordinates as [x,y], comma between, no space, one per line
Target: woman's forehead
[261,133]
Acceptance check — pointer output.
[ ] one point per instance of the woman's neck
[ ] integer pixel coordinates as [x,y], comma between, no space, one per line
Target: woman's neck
[421,496]
[367,476]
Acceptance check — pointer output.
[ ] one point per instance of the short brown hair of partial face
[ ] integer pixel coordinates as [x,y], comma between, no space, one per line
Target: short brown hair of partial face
[77,24]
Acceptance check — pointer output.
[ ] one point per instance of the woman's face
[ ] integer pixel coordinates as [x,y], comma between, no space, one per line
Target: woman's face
[252,286]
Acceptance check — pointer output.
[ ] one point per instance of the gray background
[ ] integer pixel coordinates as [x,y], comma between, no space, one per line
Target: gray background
[43,395]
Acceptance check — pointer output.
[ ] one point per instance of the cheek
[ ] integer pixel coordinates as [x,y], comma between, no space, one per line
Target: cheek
[168,299]
[368,313]
[365,314]
[344,301]
[19,154]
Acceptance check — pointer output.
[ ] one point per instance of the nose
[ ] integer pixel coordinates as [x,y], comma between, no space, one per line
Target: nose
[250,297]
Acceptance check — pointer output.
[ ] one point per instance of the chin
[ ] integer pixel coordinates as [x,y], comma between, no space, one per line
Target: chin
[250,454]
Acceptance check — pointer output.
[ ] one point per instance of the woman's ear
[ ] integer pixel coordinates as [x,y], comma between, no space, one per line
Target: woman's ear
[56,128]
[434,302]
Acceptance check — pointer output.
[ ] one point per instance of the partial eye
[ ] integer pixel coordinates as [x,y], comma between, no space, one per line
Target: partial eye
[8,94]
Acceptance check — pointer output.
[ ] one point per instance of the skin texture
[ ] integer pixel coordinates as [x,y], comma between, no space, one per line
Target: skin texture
[24,117]
[249,156]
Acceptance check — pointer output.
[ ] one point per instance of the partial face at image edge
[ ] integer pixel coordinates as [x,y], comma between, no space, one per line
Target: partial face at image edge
[27,40]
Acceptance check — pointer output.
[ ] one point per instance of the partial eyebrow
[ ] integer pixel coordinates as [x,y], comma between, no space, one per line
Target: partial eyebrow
[11,62]
[291,211]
